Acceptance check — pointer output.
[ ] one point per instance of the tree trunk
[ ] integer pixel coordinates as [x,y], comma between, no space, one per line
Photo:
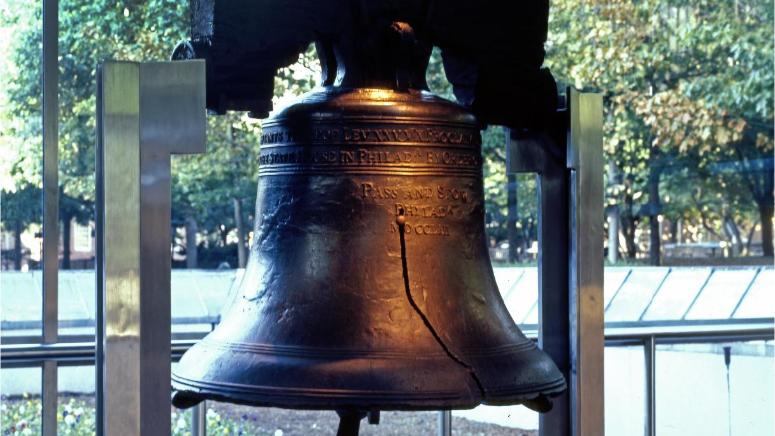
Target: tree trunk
[629,224]
[224,236]
[613,234]
[629,237]
[674,226]
[17,245]
[67,224]
[732,233]
[613,218]
[192,251]
[655,236]
[749,241]
[766,212]
[511,206]
[655,246]
[241,252]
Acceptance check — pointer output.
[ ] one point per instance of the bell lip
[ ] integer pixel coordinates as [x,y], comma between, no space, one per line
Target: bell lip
[548,382]
[322,399]
[537,398]
[538,401]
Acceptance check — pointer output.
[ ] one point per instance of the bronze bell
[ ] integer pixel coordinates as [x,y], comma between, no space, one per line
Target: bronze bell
[369,284]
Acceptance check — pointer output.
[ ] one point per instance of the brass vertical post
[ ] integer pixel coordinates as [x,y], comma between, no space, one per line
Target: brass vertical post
[146,112]
[570,260]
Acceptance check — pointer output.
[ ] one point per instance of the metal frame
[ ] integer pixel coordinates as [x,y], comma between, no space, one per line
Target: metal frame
[50,208]
[650,353]
[569,162]
[445,423]
[146,112]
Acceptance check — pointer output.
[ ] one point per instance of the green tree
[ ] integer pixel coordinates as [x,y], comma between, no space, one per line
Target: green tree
[20,121]
[212,192]
[90,31]
[687,84]
[20,209]
[743,89]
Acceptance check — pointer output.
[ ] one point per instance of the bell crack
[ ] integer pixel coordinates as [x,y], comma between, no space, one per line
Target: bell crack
[401,221]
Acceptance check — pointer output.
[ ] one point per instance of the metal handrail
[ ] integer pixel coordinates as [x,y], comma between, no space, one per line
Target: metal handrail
[616,334]
[71,354]
[91,322]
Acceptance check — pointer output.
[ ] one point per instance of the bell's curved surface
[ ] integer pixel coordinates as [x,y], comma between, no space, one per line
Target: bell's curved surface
[369,283]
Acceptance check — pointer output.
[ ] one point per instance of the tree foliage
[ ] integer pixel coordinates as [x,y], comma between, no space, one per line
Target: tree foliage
[688,89]
[688,95]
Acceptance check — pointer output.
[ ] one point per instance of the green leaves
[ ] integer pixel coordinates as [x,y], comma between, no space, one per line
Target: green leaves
[693,78]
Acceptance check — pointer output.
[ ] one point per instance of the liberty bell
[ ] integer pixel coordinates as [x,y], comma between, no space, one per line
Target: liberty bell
[369,285]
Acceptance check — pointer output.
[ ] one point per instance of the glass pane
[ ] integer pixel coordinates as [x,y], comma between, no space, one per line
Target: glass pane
[197,300]
[76,302]
[21,165]
[677,293]
[625,390]
[511,203]
[614,278]
[635,294]
[199,297]
[523,300]
[722,294]
[702,392]
[214,288]
[22,305]
[759,300]
[76,412]
[186,298]
[20,407]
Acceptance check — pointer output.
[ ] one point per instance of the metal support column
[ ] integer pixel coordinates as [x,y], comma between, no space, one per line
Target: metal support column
[585,161]
[568,161]
[147,111]
[199,419]
[650,348]
[50,209]
[445,423]
[539,153]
